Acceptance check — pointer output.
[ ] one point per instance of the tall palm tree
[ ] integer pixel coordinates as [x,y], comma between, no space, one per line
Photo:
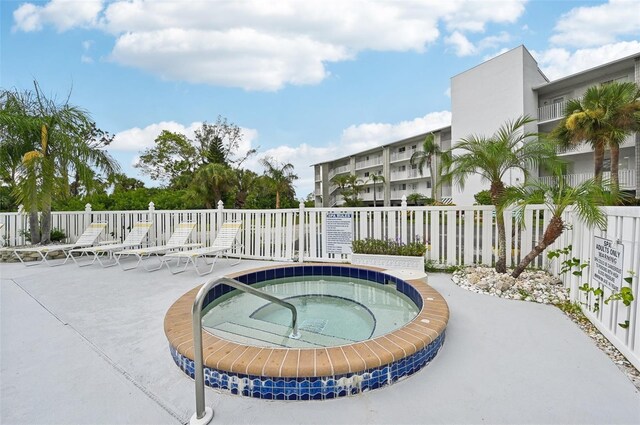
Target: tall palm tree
[427,156]
[585,198]
[281,174]
[603,117]
[61,138]
[511,147]
[209,184]
[375,178]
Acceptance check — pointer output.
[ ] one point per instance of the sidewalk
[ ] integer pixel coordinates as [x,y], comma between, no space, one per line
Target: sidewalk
[86,345]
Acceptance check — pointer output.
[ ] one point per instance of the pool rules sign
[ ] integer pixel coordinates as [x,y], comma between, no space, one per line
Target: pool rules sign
[339,228]
[607,263]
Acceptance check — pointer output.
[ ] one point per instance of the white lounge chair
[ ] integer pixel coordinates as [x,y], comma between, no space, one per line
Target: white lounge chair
[133,240]
[88,238]
[177,241]
[224,242]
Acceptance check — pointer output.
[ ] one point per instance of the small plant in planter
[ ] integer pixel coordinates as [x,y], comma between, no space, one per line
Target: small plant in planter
[389,254]
[388,247]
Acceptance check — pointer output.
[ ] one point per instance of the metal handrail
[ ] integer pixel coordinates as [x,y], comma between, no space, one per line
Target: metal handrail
[203,415]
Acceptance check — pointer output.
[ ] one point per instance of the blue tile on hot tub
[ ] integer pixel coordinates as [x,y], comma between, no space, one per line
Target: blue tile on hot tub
[288,271]
[279,272]
[307,270]
[345,271]
[298,271]
[251,278]
[335,271]
[353,272]
[256,394]
[317,270]
[261,276]
[269,274]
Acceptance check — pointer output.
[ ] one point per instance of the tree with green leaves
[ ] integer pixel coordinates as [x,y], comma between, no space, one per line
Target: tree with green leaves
[220,143]
[281,175]
[243,182]
[172,160]
[210,184]
[604,117]
[586,199]
[62,140]
[427,156]
[375,178]
[510,148]
[350,187]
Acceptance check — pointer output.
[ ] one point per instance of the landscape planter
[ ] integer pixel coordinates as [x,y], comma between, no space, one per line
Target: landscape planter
[389,261]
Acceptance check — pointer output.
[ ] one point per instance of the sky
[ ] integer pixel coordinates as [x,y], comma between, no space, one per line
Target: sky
[306,80]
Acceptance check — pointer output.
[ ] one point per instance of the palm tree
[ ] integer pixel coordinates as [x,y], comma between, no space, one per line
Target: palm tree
[430,150]
[244,179]
[511,147]
[415,199]
[603,117]
[585,198]
[61,138]
[281,174]
[375,178]
[209,184]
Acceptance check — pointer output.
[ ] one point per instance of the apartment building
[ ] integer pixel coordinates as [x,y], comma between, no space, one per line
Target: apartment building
[482,99]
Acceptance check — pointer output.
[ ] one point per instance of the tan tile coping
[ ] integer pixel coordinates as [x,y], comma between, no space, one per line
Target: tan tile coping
[229,356]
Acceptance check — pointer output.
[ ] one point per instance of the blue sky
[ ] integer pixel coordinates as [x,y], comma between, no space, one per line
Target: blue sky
[307,80]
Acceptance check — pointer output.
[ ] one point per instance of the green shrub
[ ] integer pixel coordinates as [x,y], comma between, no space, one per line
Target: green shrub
[483,197]
[57,235]
[388,247]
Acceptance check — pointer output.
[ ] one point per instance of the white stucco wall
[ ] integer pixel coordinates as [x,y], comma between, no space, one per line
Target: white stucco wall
[485,97]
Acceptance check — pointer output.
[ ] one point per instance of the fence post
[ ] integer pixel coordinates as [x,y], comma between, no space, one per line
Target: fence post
[403,220]
[151,217]
[20,226]
[301,231]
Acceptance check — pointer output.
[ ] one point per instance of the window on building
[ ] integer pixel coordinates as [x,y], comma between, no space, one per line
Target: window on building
[403,187]
[413,148]
[428,184]
[366,174]
[402,149]
[402,168]
[558,99]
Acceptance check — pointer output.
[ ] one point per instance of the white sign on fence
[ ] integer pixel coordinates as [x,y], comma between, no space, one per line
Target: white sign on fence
[607,263]
[339,228]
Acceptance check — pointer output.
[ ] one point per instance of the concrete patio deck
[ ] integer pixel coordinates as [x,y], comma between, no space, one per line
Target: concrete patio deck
[86,345]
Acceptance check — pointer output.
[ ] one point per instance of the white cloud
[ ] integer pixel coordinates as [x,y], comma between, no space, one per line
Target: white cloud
[62,14]
[261,45]
[238,58]
[137,139]
[461,45]
[447,92]
[558,62]
[589,26]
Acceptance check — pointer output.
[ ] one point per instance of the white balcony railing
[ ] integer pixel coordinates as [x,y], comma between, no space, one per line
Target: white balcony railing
[627,178]
[371,162]
[401,156]
[338,170]
[407,174]
[551,112]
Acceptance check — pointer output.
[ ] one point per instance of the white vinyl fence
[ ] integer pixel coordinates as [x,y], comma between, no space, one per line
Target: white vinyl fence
[455,236]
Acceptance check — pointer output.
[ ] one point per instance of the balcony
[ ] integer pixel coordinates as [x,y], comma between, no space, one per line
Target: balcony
[402,156]
[627,179]
[338,170]
[407,174]
[372,162]
[552,112]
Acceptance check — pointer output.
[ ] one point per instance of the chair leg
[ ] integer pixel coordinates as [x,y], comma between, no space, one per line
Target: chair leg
[118,257]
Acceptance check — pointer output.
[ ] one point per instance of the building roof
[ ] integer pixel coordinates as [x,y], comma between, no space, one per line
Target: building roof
[377,148]
[609,68]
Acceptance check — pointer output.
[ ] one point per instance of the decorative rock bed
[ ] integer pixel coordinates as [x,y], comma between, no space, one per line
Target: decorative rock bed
[7,256]
[539,286]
